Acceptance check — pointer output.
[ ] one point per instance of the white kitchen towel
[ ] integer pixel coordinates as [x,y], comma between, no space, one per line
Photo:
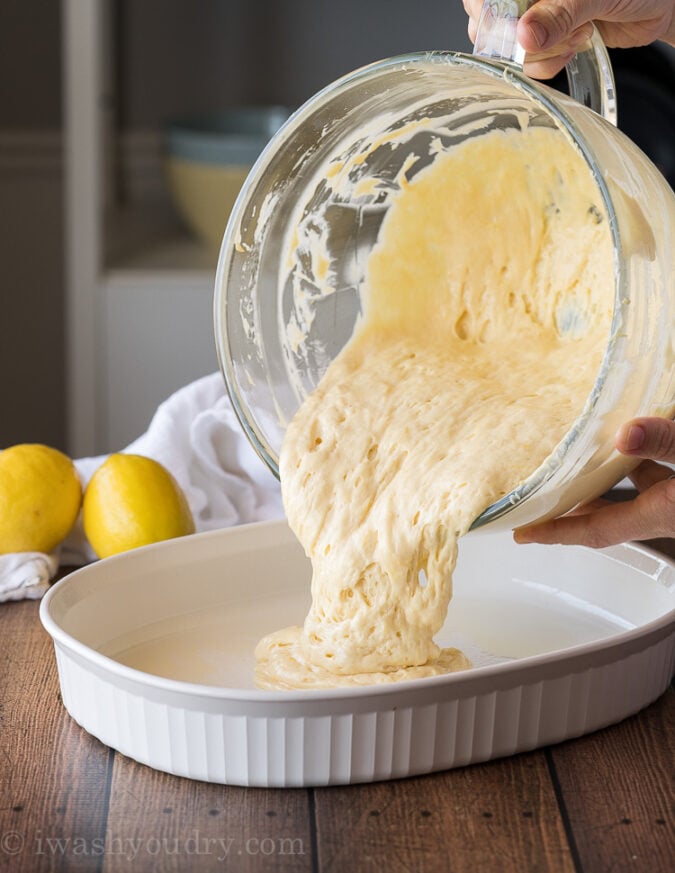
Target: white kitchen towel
[26,575]
[196,435]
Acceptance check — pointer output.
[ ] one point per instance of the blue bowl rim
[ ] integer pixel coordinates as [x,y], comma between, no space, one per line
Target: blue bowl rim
[233,136]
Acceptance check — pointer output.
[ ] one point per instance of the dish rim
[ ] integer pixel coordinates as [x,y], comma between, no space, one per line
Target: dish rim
[635,638]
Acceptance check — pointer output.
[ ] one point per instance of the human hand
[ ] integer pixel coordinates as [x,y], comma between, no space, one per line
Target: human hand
[649,516]
[551,31]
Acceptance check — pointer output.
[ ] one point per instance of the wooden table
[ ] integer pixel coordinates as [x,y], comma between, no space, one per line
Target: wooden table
[599,803]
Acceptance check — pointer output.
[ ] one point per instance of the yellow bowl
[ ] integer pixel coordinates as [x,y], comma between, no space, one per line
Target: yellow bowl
[208,159]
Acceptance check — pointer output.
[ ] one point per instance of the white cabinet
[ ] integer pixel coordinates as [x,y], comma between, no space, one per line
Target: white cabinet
[158,337]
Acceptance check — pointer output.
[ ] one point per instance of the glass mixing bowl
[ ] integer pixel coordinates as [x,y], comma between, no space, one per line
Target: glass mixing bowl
[300,219]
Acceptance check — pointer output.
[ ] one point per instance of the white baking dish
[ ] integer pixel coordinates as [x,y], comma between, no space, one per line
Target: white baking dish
[155,656]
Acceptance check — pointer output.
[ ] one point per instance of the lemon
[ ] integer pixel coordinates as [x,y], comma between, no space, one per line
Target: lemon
[132,501]
[40,497]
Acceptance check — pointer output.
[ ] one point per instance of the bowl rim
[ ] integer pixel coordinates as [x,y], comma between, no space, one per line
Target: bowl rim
[231,135]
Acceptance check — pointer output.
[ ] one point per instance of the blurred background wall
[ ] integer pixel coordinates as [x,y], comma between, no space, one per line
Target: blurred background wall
[32,386]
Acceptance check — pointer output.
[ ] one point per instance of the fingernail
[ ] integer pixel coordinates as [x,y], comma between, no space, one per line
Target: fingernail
[521,535]
[634,438]
[540,33]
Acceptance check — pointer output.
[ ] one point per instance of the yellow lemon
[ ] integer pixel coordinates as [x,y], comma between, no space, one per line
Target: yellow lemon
[132,501]
[40,497]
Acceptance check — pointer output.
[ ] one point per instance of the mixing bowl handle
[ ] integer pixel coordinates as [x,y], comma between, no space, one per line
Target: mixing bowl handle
[589,73]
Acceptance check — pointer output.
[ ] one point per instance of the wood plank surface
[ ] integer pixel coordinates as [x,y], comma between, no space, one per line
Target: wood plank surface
[500,816]
[54,778]
[617,789]
[67,803]
[171,824]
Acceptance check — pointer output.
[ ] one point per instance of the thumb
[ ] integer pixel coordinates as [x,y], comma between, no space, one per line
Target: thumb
[549,22]
[652,438]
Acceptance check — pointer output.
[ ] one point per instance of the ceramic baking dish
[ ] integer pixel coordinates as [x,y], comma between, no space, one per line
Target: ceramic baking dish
[155,658]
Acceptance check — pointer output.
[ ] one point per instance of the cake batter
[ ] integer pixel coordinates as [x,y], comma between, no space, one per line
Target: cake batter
[487,309]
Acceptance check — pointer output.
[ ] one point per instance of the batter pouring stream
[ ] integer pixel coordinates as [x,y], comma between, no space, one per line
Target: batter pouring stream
[487,312]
